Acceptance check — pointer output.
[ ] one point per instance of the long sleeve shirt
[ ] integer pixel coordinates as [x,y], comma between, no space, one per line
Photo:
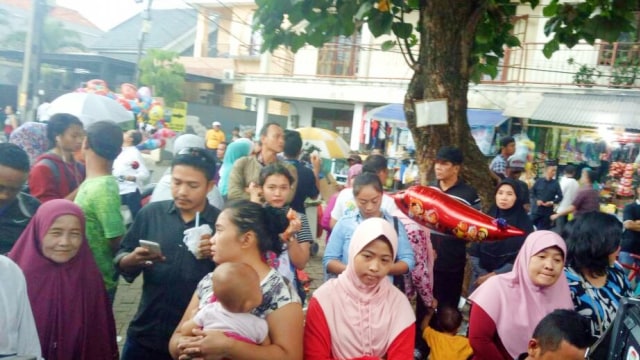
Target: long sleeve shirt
[130,163]
[545,190]
[338,245]
[317,338]
[483,336]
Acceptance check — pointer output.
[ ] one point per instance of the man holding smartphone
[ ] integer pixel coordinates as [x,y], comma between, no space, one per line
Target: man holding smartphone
[170,277]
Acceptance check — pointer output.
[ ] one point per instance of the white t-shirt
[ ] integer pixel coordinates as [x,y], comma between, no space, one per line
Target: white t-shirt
[346,203]
[215,317]
[569,187]
[18,334]
[130,163]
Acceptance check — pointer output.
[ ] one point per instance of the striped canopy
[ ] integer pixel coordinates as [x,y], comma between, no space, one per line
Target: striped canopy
[331,145]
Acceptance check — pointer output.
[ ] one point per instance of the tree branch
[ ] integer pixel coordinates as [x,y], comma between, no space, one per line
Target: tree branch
[408,57]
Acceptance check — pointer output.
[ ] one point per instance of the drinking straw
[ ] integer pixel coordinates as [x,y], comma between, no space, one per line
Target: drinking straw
[197,218]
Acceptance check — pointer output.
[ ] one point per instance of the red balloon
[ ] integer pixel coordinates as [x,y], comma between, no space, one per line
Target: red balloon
[435,209]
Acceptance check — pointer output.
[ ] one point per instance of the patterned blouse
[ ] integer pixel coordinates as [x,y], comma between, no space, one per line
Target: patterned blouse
[599,305]
[276,293]
[420,280]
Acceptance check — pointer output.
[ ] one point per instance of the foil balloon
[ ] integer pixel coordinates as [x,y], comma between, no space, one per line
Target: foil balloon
[128,91]
[97,86]
[436,210]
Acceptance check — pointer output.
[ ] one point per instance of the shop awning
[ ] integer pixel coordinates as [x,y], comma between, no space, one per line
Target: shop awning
[394,114]
[590,110]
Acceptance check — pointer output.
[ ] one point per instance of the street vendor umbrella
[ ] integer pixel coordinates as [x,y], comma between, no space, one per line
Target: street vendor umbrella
[330,144]
[90,108]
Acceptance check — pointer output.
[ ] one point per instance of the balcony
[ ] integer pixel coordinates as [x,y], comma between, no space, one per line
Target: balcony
[603,65]
[614,65]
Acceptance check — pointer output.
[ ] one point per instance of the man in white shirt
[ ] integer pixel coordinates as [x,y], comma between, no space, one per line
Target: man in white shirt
[569,186]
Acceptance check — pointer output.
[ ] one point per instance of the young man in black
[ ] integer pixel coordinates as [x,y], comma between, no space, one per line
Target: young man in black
[451,256]
[545,193]
[170,278]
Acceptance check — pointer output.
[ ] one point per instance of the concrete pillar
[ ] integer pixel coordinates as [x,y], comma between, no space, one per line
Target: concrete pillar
[356,125]
[262,113]
[201,42]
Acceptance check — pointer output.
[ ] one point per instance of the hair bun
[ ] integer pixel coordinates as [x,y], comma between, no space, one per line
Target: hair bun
[276,219]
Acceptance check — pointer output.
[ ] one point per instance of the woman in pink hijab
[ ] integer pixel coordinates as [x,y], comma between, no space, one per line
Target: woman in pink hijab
[72,313]
[360,314]
[507,307]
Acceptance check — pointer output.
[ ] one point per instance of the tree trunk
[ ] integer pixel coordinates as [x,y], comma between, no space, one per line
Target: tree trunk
[442,72]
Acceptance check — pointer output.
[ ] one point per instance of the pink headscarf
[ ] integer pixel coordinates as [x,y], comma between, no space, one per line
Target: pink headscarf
[364,320]
[514,303]
[69,301]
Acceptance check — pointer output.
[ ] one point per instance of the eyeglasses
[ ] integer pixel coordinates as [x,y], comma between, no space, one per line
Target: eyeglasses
[199,153]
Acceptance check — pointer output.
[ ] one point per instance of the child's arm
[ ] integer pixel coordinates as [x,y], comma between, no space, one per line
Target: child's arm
[430,311]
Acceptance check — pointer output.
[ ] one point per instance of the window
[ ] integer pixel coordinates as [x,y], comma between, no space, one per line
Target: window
[625,51]
[340,57]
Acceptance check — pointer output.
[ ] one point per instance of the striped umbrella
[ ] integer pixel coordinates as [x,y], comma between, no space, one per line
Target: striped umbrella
[331,145]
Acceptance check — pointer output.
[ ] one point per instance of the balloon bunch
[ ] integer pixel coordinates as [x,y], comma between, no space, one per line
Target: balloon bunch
[98,87]
[142,104]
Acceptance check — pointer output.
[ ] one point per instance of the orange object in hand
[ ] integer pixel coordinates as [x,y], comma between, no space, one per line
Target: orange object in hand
[291,215]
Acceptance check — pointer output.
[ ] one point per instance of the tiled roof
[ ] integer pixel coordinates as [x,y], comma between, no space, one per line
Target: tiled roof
[167,25]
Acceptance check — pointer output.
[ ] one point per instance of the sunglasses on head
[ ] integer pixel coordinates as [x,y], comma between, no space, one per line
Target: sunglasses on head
[195,152]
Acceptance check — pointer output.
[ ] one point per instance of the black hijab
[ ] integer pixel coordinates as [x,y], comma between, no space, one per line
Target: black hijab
[495,254]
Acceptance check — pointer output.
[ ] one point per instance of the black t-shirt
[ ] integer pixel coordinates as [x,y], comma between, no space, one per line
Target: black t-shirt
[168,285]
[631,239]
[451,251]
[306,187]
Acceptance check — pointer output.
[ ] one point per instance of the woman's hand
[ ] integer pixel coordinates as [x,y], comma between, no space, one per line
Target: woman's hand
[205,344]
[204,246]
[294,225]
[255,192]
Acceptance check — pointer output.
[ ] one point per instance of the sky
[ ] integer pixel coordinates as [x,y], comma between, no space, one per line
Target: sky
[106,14]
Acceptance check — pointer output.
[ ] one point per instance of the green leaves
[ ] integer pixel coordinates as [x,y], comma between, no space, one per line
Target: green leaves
[276,20]
[550,47]
[379,22]
[588,20]
[388,45]
[402,30]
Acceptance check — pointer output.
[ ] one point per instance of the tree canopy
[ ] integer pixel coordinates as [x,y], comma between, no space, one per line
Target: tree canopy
[55,38]
[161,71]
[447,44]
[295,23]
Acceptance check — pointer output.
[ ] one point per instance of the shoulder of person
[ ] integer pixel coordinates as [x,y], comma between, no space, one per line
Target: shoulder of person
[28,202]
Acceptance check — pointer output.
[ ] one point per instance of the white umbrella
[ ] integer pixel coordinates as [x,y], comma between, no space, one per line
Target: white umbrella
[330,144]
[90,108]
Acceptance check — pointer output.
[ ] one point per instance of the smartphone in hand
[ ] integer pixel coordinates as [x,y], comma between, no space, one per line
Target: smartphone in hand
[152,246]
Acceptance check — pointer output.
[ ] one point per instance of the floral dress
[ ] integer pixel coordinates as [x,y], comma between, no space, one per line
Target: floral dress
[276,293]
[420,280]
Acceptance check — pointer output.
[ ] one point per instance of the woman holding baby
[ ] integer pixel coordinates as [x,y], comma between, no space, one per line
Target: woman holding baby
[245,232]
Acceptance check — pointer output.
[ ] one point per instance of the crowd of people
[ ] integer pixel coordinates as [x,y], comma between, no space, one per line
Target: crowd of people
[222,243]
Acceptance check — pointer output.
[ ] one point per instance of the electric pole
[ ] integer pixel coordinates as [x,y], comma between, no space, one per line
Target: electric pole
[146,27]
[31,61]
